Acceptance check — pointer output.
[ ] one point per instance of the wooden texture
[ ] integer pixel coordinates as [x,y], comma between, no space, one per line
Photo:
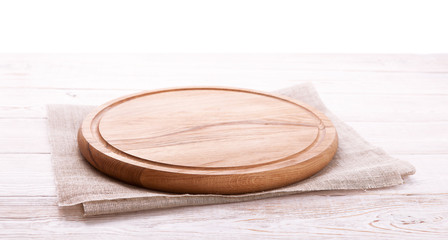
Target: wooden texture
[397,102]
[207,140]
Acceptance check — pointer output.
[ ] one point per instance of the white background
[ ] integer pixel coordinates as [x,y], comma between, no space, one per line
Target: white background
[235,26]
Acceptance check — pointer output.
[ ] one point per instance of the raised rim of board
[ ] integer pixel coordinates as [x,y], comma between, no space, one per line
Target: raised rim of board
[326,137]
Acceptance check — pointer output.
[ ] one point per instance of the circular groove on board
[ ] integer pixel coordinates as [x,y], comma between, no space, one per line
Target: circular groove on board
[207,140]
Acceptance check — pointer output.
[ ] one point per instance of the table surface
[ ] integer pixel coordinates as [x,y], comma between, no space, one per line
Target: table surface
[397,102]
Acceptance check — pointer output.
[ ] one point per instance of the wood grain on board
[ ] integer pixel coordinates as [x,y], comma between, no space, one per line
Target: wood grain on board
[207,140]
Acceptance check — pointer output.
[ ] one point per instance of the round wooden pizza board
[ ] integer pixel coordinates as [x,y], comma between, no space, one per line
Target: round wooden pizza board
[207,140]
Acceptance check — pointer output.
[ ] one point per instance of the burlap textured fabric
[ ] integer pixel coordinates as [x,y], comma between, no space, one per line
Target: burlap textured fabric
[356,165]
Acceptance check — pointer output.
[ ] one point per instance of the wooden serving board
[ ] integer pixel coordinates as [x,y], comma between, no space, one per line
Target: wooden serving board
[207,140]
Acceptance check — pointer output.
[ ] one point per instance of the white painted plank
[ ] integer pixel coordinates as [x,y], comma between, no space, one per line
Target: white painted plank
[310,217]
[404,137]
[26,175]
[250,71]
[340,62]
[30,103]
[24,136]
[335,82]
[387,108]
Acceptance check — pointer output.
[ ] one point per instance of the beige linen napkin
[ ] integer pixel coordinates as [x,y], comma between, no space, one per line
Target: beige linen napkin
[356,165]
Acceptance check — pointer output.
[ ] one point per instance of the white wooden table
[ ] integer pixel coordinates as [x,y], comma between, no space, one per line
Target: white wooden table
[398,102]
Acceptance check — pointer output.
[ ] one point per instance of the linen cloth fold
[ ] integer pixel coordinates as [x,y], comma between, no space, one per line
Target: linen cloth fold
[356,165]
